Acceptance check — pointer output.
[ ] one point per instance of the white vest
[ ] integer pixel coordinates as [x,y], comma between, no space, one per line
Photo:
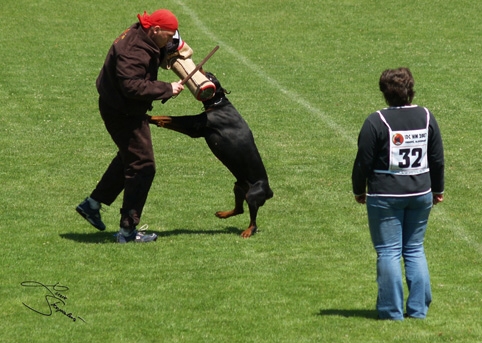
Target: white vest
[408,150]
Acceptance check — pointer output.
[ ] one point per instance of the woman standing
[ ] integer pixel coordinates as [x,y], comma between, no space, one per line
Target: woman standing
[399,174]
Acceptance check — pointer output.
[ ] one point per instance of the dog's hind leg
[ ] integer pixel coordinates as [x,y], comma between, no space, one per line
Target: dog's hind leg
[239,197]
[253,227]
[256,196]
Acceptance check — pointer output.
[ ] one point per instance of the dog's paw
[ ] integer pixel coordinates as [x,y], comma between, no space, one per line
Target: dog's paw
[160,121]
[227,214]
[249,232]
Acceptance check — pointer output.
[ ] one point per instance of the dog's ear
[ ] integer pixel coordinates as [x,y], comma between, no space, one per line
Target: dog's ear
[208,74]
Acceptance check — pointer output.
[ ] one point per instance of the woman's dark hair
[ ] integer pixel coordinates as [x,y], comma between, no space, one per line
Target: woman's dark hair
[397,86]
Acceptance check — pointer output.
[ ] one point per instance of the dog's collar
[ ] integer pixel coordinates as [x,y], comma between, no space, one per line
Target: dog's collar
[208,105]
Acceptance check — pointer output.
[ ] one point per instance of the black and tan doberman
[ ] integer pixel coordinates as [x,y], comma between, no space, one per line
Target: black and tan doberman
[231,141]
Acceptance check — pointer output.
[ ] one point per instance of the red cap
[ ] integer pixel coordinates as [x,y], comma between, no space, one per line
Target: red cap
[165,19]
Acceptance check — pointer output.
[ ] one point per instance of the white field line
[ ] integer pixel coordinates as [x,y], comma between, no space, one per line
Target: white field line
[460,231]
[292,95]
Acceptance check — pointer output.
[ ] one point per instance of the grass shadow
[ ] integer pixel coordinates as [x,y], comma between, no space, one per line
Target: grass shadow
[369,314]
[109,237]
[93,237]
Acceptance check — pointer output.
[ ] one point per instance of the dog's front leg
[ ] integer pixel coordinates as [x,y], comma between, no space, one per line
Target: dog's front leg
[193,126]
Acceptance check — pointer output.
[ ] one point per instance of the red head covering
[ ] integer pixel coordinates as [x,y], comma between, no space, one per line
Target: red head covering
[165,19]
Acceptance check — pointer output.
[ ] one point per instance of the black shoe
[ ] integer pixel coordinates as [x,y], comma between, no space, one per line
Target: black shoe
[91,215]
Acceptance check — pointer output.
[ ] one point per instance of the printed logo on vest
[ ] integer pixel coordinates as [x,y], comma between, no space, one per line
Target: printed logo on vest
[398,139]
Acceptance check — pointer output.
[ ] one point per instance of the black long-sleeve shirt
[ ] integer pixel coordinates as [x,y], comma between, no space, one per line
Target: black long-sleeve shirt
[128,80]
[393,165]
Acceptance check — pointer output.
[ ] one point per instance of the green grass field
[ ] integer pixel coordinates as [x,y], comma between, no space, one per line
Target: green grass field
[304,74]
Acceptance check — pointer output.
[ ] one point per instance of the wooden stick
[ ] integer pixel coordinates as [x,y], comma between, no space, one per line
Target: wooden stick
[199,66]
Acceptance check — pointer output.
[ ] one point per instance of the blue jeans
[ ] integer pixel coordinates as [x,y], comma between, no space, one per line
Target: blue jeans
[397,228]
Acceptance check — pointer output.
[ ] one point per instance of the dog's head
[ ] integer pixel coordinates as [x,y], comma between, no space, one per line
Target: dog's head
[219,99]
